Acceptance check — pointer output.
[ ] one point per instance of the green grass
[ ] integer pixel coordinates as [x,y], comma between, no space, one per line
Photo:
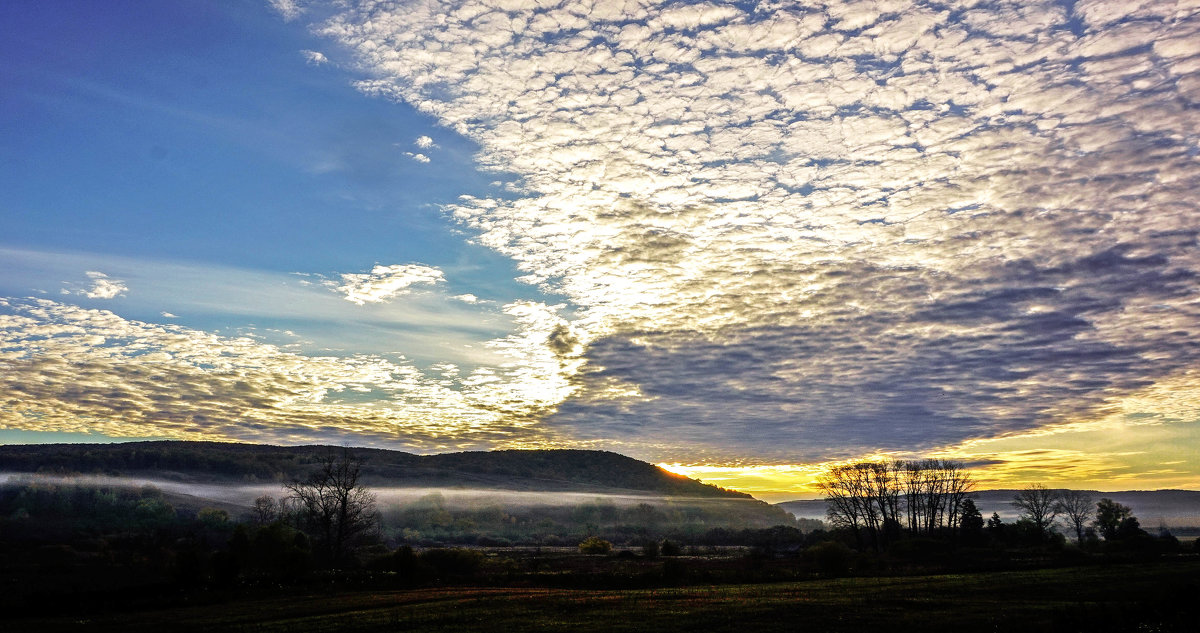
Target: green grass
[1146,597]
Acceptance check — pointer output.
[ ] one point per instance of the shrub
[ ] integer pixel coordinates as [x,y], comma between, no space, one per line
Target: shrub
[595,545]
[831,557]
[213,517]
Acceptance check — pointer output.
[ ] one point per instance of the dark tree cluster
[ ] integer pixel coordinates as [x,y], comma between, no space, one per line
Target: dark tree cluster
[877,501]
[1103,526]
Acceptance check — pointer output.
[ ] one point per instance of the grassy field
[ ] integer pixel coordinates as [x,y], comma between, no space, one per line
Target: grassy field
[1148,597]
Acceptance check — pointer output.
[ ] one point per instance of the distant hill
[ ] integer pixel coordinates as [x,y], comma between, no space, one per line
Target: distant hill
[218,462]
[1173,508]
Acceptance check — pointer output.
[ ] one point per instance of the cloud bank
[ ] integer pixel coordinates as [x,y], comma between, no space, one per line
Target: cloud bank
[808,231]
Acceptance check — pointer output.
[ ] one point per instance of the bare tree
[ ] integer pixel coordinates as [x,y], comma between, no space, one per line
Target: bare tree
[1038,504]
[266,510]
[1076,506]
[844,498]
[334,507]
[862,497]
[934,491]
[871,498]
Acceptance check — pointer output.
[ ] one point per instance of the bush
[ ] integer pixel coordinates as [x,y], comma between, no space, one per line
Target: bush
[831,557]
[595,545]
[403,561]
[669,549]
[213,517]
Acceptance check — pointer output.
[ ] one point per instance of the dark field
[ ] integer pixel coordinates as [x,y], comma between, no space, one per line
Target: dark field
[1149,597]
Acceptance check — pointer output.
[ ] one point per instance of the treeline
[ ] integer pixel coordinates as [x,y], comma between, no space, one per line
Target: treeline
[432,520]
[888,504]
[213,460]
[1103,525]
[219,462]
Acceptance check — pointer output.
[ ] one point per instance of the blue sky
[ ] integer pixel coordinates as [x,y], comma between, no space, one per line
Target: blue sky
[743,239]
[205,127]
[197,145]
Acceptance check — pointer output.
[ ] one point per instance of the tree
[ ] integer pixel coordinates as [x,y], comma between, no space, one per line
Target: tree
[1130,528]
[870,499]
[1038,505]
[934,491]
[970,524]
[1076,506]
[1109,516]
[334,507]
[266,510]
[863,497]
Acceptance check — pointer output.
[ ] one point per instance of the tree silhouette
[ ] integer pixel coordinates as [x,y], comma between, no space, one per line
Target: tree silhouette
[266,510]
[970,523]
[333,507]
[875,499]
[1076,506]
[1038,505]
[1109,516]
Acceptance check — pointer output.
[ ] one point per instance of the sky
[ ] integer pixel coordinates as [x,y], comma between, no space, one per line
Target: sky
[742,240]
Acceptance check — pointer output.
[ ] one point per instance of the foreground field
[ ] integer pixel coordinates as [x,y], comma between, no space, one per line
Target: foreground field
[1145,597]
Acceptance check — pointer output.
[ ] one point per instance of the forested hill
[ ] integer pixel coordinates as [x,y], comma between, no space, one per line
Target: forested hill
[542,470]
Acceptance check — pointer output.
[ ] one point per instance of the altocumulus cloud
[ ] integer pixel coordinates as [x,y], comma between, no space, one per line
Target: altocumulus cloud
[65,368]
[802,231]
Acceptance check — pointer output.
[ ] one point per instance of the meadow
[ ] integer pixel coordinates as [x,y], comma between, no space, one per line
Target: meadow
[1150,596]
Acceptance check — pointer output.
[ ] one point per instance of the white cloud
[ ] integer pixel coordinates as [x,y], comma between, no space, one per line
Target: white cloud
[384,282]
[424,142]
[466,298]
[420,158]
[100,287]
[167,315]
[289,9]
[315,58]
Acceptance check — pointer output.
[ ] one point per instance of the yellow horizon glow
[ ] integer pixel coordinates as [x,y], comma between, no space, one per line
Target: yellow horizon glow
[1153,456]
[1143,440]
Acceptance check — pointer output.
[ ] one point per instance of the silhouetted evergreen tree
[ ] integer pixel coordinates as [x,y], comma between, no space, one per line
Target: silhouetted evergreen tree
[971,523]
